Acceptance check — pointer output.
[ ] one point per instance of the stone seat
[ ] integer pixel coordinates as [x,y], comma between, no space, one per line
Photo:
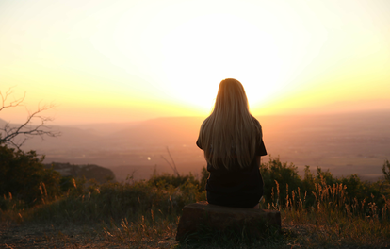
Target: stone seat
[254,220]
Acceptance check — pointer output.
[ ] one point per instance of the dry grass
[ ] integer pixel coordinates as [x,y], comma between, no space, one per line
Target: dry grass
[145,215]
[334,220]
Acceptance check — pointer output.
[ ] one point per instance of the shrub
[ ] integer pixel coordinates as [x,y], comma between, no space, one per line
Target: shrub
[167,181]
[24,177]
[279,177]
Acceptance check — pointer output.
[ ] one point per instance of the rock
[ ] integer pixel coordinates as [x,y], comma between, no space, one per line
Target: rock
[254,221]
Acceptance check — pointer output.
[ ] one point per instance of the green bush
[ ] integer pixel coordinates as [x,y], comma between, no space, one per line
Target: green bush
[167,181]
[279,176]
[93,202]
[24,177]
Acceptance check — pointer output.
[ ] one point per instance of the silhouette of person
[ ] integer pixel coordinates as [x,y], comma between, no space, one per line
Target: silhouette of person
[232,143]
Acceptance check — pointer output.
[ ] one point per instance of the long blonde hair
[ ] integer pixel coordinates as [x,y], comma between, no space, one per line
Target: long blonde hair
[230,132]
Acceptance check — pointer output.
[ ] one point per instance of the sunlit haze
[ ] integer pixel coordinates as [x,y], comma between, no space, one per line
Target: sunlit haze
[122,61]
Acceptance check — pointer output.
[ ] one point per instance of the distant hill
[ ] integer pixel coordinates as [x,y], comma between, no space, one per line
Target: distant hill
[90,171]
[2,122]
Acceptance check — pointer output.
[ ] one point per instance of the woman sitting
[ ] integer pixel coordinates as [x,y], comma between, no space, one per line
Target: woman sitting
[232,144]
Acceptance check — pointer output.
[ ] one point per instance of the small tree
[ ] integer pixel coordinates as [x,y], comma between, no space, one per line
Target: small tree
[16,135]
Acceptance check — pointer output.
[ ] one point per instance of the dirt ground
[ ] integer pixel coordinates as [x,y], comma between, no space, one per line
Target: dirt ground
[14,236]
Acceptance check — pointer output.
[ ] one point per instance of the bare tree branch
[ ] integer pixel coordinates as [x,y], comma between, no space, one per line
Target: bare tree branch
[14,103]
[27,130]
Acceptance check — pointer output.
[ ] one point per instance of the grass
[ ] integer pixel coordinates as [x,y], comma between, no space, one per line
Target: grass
[145,214]
[335,221]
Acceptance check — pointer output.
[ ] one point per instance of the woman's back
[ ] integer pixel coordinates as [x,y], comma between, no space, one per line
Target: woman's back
[231,139]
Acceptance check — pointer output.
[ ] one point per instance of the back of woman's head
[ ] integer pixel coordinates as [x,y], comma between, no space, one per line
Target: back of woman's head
[228,136]
[231,96]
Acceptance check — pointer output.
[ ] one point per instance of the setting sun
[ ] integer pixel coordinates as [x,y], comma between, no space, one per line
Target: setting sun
[198,54]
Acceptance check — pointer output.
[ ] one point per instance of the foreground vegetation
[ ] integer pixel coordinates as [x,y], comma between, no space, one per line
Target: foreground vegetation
[318,210]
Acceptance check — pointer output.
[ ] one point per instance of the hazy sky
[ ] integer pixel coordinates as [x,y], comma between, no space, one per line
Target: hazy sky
[105,60]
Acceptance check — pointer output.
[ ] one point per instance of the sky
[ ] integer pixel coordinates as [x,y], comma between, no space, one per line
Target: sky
[106,61]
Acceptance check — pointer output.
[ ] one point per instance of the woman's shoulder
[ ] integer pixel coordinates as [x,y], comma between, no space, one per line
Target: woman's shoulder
[256,122]
[258,128]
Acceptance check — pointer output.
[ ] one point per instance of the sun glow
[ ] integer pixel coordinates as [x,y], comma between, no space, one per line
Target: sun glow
[205,50]
[190,58]
[166,58]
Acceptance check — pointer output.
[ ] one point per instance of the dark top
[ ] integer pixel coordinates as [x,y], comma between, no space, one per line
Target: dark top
[239,187]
